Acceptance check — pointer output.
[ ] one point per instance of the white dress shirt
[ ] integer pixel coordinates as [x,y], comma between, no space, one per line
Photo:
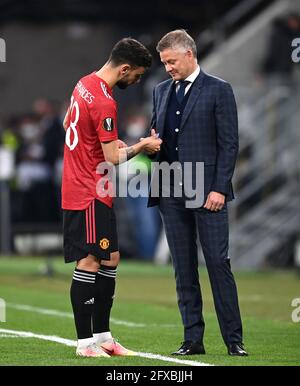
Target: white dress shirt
[191,78]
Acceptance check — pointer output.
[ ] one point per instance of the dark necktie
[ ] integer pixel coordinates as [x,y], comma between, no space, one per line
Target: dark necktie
[181,90]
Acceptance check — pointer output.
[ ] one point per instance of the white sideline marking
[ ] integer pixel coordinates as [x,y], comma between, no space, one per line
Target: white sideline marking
[25,334]
[73,343]
[44,311]
[8,336]
[174,360]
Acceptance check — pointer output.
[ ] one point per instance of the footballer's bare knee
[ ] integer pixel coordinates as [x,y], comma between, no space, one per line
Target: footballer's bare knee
[89,263]
[114,260]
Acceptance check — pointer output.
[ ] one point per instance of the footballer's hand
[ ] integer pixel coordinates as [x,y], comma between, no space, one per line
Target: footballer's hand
[215,201]
[148,149]
[151,144]
[121,144]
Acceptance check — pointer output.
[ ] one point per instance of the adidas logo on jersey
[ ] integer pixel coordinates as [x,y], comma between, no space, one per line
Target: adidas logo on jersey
[91,301]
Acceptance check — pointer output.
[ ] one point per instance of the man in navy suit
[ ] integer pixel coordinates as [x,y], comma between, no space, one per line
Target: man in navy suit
[195,116]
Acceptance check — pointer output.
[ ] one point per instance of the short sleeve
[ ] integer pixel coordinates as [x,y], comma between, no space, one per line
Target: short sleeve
[104,118]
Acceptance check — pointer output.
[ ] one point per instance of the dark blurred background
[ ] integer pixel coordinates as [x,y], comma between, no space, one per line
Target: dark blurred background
[50,45]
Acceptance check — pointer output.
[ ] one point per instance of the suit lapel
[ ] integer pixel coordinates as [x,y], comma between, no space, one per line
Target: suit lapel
[163,108]
[195,91]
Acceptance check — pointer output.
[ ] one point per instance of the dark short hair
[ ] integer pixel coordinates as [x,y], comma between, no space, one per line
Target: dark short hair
[132,52]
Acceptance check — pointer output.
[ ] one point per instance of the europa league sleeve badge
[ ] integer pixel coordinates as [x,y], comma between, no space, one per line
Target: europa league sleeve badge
[108,124]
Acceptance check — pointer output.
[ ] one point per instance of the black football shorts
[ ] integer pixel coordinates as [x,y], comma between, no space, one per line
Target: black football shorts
[90,231]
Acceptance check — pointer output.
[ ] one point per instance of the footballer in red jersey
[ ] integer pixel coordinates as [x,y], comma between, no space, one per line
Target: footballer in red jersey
[90,234]
[92,119]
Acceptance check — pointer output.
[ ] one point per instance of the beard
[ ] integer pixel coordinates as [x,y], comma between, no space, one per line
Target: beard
[122,84]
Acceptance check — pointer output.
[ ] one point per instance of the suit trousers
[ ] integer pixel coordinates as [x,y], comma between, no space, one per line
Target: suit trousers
[181,227]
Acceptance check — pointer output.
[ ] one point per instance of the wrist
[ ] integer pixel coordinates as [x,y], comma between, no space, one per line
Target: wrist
[138,147]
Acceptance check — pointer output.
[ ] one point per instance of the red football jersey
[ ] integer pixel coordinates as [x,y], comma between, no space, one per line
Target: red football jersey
[92,119]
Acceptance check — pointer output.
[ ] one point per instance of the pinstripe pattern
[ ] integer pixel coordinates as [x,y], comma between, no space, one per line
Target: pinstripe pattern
[182,226]
[208,133]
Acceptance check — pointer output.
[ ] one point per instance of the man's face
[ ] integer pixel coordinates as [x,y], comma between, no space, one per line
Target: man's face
[133,76]
[179,65]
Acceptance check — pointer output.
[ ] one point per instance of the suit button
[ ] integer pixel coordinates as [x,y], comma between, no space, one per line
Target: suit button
[177,112]
[176,130]
[180,184]
[176,148]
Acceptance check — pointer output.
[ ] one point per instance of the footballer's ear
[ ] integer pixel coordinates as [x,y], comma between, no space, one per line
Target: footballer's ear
[124,69]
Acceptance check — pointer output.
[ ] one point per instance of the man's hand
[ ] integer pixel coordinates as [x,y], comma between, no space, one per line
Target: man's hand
[153,145]
[116,153]
[215,201]
[121,144]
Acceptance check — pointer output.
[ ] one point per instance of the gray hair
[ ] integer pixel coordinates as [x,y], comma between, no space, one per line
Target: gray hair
[178,39]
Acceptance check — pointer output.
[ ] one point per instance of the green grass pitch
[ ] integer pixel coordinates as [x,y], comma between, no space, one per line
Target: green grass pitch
[145,317]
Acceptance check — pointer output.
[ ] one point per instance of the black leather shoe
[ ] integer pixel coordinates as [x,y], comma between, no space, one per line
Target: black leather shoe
[237,349]
[190,348]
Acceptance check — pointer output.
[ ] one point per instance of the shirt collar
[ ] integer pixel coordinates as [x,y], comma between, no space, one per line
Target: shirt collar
[191,78]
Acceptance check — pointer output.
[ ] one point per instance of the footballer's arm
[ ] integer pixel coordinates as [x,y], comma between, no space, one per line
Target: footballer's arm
[66,120]
[115,155]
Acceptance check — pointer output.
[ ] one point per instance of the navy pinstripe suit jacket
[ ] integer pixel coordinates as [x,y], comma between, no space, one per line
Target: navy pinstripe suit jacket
[208,132]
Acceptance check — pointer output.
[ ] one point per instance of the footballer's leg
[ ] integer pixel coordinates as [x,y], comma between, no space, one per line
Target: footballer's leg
[77,249]
[107,250]
[105,290]
[106,282]
[82,299]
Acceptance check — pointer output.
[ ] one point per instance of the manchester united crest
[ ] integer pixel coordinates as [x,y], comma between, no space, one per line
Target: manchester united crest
[104,243]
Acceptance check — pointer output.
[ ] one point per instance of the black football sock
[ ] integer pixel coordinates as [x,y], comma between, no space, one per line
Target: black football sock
[82,299]
[104,295]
